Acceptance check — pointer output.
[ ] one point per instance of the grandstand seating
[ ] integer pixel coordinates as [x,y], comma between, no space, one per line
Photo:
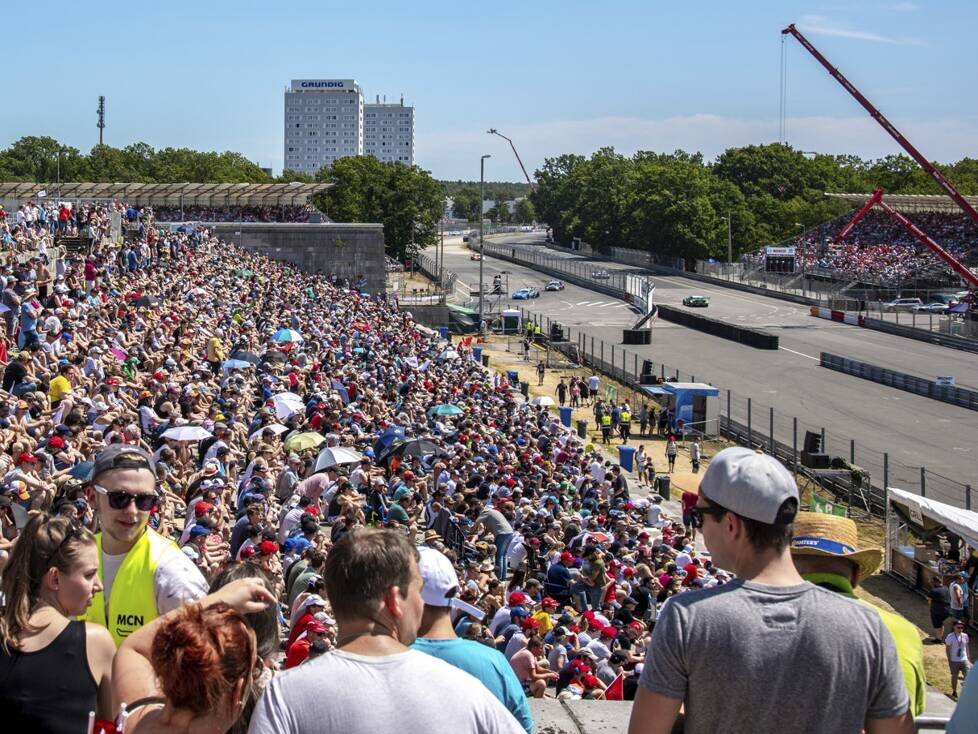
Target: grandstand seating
[880,251]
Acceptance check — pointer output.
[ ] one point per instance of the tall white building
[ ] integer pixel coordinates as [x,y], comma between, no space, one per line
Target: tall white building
[323,122]
[388,131]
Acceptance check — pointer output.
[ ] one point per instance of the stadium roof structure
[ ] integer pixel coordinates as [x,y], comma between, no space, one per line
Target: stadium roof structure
[911,202]
[172,194]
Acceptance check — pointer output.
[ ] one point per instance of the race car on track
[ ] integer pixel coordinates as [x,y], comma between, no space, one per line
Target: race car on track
[601,274]
[475,256]
[696,301]
[555,285]
[524,293]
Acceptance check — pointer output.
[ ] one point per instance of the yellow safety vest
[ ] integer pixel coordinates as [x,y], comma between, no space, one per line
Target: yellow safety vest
[132,603]
[626,417]
[606,420]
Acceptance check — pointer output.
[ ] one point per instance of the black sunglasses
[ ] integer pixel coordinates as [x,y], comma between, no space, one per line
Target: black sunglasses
[121,500]
[696,514]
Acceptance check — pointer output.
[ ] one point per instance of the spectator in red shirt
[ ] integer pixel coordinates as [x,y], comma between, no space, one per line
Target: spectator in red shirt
[299,651]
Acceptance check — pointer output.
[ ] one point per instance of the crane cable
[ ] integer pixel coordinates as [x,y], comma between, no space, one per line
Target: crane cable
[783,94]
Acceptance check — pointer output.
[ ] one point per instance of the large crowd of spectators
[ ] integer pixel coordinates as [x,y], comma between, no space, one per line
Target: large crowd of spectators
[227,467]
[880,250]
[286,213]
[35,226]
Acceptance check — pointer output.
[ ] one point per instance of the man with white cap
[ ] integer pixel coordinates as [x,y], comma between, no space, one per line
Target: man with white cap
[436,637]
[747,655]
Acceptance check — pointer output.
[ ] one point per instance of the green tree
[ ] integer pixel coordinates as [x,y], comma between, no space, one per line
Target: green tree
[465,203]
[499,213]
[405,199]
[525,213]
[288,176]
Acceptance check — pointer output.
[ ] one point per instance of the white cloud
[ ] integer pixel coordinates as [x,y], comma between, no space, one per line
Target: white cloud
[819,25]
[455,154]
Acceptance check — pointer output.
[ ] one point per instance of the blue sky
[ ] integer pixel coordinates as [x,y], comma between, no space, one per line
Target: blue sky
[557,77]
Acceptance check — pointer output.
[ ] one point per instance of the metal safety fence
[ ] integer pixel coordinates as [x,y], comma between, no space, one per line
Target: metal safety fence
[752,423]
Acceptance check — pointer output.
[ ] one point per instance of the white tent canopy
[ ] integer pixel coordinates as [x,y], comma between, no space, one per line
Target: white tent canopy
[961,522]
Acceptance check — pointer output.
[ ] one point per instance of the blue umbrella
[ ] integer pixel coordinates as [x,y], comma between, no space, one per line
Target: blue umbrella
[344,393]
[388,437]
[446,409]
[82,470]
[287,335]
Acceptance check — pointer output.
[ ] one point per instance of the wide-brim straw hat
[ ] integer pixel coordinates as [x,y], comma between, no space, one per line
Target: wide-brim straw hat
[831,536]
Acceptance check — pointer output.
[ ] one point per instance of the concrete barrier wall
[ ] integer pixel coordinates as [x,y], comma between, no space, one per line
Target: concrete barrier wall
[902,381]
[740,334]
[348,250]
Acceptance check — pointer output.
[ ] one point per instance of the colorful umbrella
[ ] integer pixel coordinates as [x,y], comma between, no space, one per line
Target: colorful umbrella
[303,441]
[287,335]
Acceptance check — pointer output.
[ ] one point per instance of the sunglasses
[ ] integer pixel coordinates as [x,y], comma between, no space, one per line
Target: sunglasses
[121,500]
[696,514]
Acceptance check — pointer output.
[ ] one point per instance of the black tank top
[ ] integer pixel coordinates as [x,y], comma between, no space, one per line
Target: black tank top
[49,691]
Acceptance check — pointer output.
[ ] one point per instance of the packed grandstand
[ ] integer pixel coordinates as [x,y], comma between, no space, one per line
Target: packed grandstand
[880,251]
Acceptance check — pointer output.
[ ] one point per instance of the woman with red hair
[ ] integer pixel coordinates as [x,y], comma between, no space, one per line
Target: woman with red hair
[191,670]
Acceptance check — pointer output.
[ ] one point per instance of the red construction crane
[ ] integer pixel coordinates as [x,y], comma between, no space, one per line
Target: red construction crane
[911,151]
[873,201]
[877,200]
[886,124]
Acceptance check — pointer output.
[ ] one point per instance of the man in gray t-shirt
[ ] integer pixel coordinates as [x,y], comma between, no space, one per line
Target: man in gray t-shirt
[768,652]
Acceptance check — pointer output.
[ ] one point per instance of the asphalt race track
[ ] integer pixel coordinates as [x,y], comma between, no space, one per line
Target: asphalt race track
[914,430]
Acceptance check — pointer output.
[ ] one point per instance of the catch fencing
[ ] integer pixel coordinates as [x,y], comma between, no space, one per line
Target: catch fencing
[752,423]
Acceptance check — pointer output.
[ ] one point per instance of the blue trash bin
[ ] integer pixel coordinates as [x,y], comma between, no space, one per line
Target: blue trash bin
[443,330]
[565,415]
[514,377]
[477,354]
[626,457]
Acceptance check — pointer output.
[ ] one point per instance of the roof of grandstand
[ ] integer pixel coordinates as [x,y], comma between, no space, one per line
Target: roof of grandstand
[910,202]
[187,194]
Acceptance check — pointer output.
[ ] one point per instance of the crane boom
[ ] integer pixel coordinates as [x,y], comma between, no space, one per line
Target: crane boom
[929,167]
[970,278]
[873,201]
[877,199]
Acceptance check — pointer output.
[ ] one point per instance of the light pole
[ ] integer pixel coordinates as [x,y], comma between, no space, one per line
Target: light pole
[729,239]
[482,257]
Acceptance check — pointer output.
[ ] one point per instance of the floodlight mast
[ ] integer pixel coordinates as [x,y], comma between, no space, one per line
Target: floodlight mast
[494,131]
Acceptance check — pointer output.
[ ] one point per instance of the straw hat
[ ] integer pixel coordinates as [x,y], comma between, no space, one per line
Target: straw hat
[830,536]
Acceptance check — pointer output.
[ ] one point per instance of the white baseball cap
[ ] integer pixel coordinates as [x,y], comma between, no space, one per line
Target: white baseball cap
[751,484]
[439,577]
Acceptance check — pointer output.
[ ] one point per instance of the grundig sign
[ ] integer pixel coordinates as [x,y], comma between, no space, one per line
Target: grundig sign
[322,84]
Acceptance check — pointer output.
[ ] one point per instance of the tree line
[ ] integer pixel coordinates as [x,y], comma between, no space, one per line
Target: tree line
[677,204]
[405,199]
